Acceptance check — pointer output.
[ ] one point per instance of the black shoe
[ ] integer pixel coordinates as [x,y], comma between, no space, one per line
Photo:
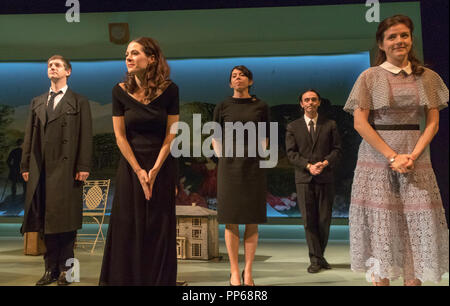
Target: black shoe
[181,283]
[314,268]
[62,281]
[47,279]
[324,264]
[243,281]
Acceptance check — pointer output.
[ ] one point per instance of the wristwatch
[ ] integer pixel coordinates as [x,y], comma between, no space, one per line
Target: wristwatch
[392,159]
[308,166]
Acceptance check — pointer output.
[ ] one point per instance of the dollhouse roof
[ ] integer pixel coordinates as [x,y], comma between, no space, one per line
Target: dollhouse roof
[194,211]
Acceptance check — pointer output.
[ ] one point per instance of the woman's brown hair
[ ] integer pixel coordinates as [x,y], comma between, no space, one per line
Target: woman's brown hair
[416,64]
[156,74]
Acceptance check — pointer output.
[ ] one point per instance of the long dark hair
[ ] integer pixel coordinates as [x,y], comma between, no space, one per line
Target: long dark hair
[416,64]
[156,74]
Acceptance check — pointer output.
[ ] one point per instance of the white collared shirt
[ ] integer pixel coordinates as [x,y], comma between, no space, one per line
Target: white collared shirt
[58,97]
[396,70]
[307,120]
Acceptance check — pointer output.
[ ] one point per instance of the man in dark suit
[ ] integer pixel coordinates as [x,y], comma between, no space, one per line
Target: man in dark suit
[55,162]
[313,146]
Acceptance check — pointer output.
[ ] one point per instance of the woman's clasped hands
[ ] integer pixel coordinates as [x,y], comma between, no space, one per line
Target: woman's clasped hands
[403,163]
[147,180]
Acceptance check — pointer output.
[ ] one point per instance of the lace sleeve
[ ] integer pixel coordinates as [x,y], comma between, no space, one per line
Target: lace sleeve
[433,92]
[360,96]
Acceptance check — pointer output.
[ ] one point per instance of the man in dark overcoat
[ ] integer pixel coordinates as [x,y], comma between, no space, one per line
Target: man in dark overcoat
[56,160]
[313,146]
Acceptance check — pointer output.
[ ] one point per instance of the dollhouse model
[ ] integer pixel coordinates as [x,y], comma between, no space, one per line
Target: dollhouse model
[197,232]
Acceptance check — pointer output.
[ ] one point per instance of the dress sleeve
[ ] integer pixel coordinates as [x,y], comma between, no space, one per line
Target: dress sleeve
[360,96]
[174,103]
[433,92]
[117,106]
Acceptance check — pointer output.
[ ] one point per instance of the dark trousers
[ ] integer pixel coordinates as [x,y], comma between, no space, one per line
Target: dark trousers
[316,202]
[59,249]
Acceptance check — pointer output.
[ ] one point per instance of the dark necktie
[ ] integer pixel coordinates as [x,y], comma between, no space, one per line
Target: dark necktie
[51,103]
[311,130]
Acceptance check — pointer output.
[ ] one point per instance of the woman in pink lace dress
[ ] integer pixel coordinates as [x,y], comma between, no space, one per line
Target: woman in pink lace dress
[397,222]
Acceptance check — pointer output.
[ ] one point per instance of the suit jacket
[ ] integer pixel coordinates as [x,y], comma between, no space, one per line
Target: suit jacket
[301,150]
[61,146]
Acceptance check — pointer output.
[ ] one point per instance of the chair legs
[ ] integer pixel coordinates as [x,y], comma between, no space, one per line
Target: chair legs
[100,231]
[99,236]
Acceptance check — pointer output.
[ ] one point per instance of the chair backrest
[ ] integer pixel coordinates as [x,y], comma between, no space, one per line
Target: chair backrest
[95,195]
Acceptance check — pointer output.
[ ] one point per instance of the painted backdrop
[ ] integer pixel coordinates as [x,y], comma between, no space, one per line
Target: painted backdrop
[203,83]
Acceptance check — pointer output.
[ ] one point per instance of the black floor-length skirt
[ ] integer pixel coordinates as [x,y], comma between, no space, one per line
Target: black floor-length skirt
[141,241]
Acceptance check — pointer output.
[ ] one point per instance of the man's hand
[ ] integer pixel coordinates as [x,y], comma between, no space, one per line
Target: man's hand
[25,176]
[315,169]
[81,176]
[318,167]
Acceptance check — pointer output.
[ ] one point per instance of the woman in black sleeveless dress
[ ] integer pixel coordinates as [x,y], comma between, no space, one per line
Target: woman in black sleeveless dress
[141,243]
[241,182]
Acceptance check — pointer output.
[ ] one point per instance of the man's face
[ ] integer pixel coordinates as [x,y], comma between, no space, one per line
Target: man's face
[56,70]
[310,103]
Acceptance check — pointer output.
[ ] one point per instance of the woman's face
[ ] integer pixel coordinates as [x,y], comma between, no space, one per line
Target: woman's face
[239,81]
[136,59]
[397,43]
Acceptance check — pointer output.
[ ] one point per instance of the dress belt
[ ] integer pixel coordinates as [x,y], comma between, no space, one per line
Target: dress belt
[385,127]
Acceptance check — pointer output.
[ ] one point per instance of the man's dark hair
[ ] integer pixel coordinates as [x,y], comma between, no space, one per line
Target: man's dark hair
[300,96]
[66,62]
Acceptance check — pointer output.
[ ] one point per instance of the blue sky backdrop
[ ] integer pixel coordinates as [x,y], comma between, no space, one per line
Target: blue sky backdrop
[277,80]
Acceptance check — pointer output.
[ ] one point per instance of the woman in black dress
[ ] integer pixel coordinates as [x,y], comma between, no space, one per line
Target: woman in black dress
[241,183]
[141,243]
